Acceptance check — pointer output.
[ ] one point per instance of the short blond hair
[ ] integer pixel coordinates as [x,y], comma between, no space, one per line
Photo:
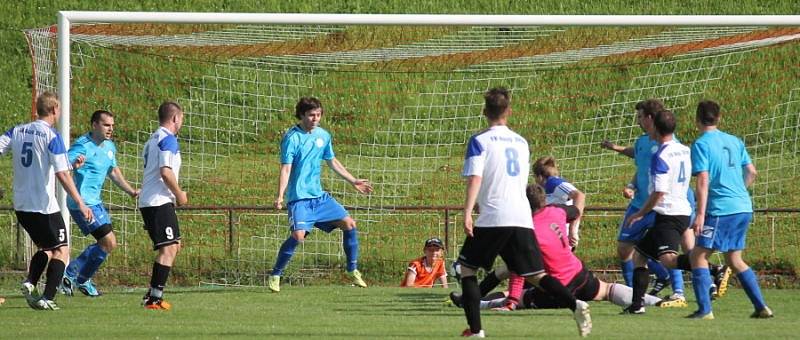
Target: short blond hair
[46,104]
[545,167]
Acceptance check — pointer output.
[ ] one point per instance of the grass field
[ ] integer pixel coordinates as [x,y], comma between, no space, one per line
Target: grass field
[328,312]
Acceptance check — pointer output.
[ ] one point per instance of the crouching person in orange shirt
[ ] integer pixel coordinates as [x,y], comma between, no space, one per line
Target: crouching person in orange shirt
[424,271]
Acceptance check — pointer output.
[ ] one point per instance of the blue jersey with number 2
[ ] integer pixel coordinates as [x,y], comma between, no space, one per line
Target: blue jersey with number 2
[724,157]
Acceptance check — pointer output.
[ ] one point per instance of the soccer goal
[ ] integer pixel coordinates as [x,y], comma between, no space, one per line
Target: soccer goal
[402,93]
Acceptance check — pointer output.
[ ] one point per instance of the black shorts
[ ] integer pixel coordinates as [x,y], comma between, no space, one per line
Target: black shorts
[664,237]
[47,231]
[517,246]
[584,286]
[161,224]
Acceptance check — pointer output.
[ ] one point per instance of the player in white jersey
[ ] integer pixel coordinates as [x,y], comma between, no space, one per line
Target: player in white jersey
[496,166]
[159,195]
[560,191]
[39,157]
[670,174]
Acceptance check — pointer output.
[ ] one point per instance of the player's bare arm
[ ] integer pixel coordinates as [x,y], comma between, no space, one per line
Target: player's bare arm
[362,185]
[473,186]
[119,179]
[652,200]
[701,201]
[627,151]
[283,182]
[172,184]
[750,174]
[69,186]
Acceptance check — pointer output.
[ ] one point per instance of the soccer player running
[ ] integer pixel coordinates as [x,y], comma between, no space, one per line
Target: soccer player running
[159,195]
[93,157]
[40,157]
[724,210]
[303,147]
[669,185]
[637,190]
[496,166]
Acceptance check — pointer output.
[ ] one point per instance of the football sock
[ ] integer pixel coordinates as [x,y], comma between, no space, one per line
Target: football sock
[284,255]
[749,282]
[93,262]
[627,272]
[641,279]
[658,269]
[470,299]
[159,279]
[55,271]
[621,295]
[350,245]
[562,295]
[676,276]
[38,264]
[701,283]
[489,283]
[75,265]
[515,283]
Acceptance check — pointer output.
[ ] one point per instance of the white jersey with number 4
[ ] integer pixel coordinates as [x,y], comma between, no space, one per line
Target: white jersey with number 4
[161,150]
[670,173]
[38,153]
[502,159]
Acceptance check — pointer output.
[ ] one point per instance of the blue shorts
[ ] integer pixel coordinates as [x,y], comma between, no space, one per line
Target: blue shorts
[322,212]
[636,231]
[101,218]
[725,233]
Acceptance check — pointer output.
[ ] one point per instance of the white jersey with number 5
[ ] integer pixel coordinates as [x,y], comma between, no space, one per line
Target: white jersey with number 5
[161,150]
[670,173]
[38,153]
[502,159]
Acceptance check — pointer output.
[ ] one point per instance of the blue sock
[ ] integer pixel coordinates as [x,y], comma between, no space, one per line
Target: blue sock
[658,269]
[749,282]
[676,276]
[627,272]
[350,245]
[701,282]
[96,258]
[76,264]
[284,255]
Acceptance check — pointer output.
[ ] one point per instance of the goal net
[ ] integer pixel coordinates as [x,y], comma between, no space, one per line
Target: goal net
[400,102]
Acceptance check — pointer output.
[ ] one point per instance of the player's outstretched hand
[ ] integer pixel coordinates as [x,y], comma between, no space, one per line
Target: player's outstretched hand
[574,239]
[181,198]
[134,193]
[79,162]
[363,186]
[278,204]
[606,144]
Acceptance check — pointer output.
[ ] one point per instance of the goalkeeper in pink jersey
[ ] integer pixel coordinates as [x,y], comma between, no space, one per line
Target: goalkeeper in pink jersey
[559,262]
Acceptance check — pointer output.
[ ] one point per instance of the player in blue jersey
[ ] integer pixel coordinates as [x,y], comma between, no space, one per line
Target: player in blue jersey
[160,194]
[39,158]
[303,148]
[93,158]
[560,191]
[642,152]
[724,170]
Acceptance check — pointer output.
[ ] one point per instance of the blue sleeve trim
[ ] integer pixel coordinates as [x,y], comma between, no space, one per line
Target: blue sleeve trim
[657,165]
[552,183]
[169,143]
[10,133]
[56,145]
[474,148]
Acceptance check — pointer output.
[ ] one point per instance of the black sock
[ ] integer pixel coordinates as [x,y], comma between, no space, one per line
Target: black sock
[562,295]
[159,279]
[471,300]
[489,283]
[641,279]
[683,262]
[55,271]
[713,270]
[38,264]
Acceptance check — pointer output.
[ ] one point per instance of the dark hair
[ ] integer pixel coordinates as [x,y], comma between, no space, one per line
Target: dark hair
[536,196]
[650,106]
[664,122]
[46,103]
[99,113]
[167,110]
[497,102]
[306,104]
[707,113]
[545,167]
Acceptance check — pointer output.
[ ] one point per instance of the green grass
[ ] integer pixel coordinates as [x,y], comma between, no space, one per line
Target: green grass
[327,312]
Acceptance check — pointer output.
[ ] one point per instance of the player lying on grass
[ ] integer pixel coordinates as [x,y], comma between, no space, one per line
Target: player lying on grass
[559,262]
[424,271]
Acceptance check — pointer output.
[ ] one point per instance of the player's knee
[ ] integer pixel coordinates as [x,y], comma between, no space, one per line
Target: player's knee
[624,251]
[108,243]
[299,236]
[60,253]
[348,224]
